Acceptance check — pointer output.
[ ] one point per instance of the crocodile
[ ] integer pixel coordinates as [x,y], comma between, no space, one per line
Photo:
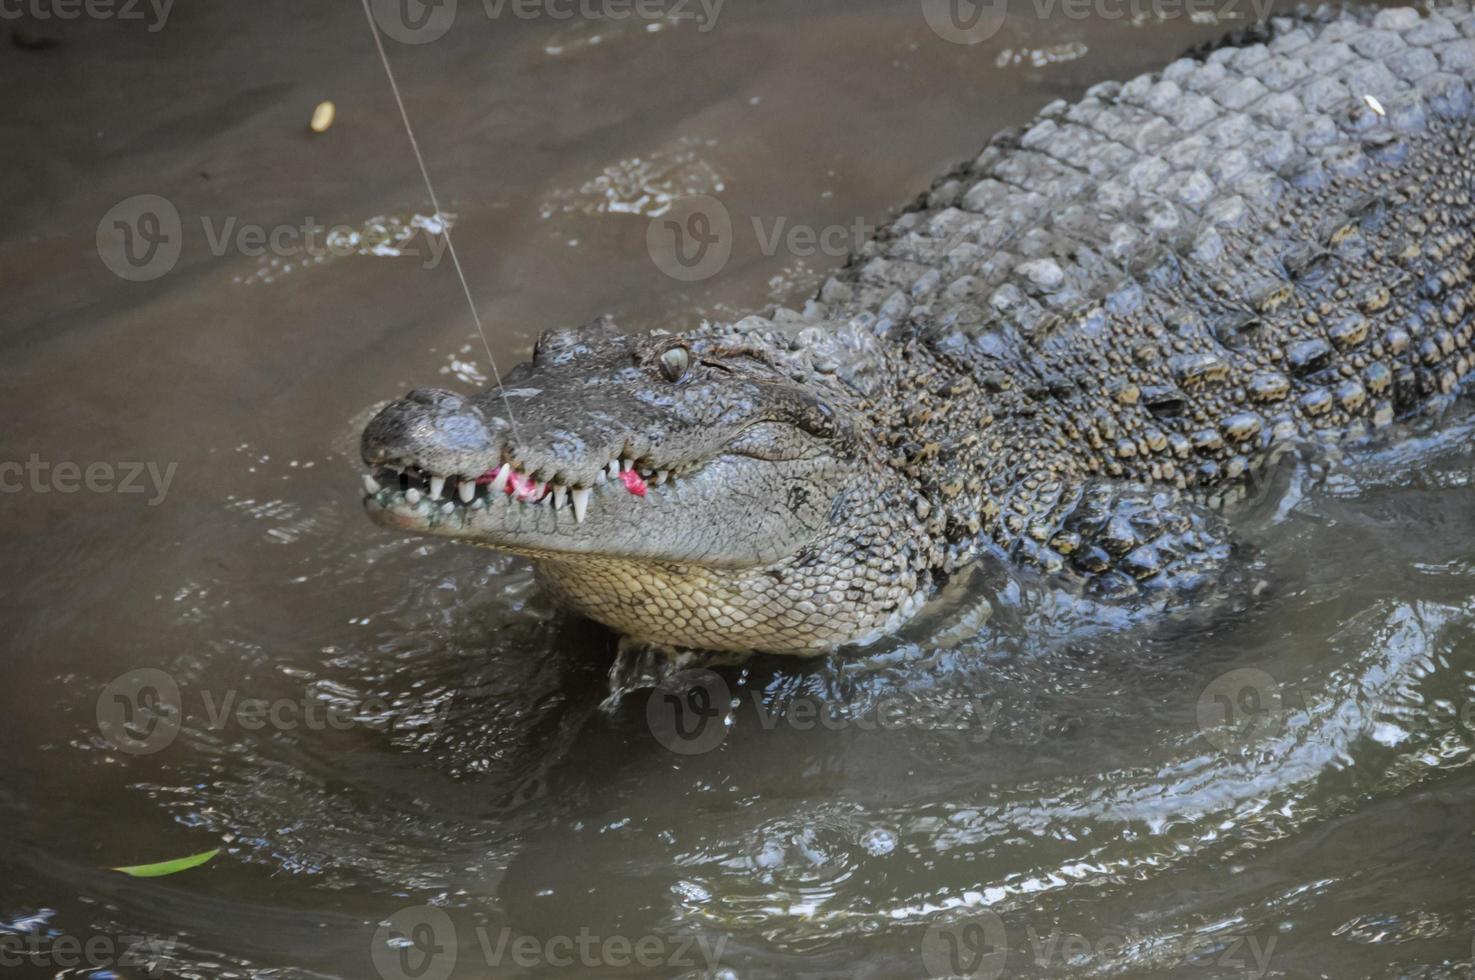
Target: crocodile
[1071,353]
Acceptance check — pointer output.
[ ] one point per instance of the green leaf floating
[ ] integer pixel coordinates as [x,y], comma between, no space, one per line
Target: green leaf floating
[168,867]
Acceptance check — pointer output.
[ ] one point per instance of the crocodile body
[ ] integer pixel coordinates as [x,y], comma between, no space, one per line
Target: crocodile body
[1067,352]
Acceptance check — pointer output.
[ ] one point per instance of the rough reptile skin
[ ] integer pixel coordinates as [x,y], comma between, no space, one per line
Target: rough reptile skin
[1070,351]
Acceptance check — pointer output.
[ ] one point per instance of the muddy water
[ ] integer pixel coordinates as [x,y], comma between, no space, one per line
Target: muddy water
[414,766]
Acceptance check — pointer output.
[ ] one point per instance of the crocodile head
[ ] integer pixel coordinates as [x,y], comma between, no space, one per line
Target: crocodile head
[685,490]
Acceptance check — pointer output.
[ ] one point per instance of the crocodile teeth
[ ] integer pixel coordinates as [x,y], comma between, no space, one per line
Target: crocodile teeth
[600,477]
[560,496]
[448,508]
[662,476]
[499,482]
[581,503]
[371,485]
[614,468]
[466,490]
[412,496]
[627,465]
[437,487]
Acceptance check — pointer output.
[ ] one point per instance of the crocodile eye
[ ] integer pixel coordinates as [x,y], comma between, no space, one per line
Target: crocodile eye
[674,363]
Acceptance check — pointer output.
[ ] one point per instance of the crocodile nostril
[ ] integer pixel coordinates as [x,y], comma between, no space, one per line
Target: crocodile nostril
[436,398]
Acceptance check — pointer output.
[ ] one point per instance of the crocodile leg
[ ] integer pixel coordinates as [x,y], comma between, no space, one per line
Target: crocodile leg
[1124,539]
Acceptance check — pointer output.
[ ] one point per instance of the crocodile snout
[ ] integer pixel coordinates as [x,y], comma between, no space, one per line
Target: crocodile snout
[436,430]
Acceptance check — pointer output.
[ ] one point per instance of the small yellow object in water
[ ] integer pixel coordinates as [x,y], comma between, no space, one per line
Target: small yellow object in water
[322,116]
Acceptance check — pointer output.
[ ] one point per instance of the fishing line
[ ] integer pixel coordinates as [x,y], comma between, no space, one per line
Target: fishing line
[435,203]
